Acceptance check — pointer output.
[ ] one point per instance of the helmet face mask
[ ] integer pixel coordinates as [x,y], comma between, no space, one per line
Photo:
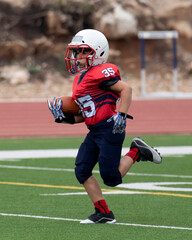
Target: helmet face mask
[74,56]
[90,45]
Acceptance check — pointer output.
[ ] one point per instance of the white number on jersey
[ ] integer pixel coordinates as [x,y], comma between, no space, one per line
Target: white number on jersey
[108,72]
[87,102]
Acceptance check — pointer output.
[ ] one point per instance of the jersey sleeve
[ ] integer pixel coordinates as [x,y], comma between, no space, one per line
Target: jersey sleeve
[110,76]
[106,84]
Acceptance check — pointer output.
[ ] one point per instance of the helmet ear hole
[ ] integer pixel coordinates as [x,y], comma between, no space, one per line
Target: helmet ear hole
[102,54]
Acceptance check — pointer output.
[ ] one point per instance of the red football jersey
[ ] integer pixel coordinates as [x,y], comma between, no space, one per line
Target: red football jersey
[91,91]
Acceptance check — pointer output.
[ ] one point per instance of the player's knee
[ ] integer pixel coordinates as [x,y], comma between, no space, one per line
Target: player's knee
[111,178]
[81,174]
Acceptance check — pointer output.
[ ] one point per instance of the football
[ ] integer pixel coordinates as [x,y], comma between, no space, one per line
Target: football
[69,106]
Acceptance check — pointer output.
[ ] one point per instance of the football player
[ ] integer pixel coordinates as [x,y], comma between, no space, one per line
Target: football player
[96,89]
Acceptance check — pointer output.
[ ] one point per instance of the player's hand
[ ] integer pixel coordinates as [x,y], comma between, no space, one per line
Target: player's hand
[58,114]
[119,122]
[55,108]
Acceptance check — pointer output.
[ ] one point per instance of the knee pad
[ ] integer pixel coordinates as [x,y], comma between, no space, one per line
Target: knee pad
[82,174]
[111,178]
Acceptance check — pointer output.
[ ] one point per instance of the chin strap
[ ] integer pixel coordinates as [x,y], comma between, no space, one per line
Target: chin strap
[73,69]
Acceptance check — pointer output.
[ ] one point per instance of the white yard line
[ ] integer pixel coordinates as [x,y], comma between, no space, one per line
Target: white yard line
[159,175]
[39,168]
[39,217]
[58,153]
[94,171]
[85,193]
[26,154]
[78,220]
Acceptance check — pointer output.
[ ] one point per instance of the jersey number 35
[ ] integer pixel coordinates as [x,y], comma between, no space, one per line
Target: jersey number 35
[108,72]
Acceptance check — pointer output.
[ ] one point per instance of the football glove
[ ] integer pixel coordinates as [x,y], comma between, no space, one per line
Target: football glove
[58,114]
[55,108]
[119,122]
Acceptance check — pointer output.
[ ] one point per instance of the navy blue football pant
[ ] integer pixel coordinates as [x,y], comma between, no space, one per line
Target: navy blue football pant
[103,147]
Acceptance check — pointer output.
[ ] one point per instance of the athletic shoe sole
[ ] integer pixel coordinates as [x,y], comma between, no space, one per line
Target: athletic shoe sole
[88,221]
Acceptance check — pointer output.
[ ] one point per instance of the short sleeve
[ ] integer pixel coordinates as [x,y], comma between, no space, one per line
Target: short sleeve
[106,84]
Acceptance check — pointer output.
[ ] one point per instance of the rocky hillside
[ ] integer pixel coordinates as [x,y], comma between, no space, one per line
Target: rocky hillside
[34,35]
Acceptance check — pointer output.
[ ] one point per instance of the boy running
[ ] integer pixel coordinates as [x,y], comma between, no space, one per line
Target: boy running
[97,89]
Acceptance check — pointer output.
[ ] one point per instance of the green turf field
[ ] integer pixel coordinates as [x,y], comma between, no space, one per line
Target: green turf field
[33,204]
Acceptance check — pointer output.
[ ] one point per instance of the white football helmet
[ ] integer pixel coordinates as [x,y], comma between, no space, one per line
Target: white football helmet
[88,44]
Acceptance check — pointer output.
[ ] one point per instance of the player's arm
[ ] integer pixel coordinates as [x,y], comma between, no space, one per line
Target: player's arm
[79,118]
[126,95]
[70,119]
[125,101]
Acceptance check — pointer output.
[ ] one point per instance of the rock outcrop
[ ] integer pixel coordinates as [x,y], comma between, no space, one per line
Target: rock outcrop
[34,33]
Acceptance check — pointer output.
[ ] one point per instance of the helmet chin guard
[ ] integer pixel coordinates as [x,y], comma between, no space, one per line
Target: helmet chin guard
[90,45]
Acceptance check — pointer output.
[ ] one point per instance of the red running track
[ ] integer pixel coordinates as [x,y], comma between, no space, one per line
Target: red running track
[33,119]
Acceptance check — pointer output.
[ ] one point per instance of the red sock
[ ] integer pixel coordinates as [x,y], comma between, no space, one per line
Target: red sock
[133,153]
[102,206]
